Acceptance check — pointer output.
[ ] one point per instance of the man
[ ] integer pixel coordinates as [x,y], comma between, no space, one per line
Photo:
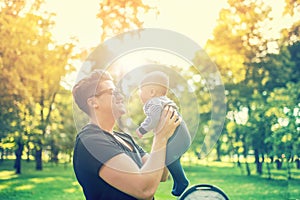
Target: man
[108,164]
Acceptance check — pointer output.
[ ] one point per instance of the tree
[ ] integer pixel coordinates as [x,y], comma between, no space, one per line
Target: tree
[237,38]
[63,130]
[291,6]
[32,66]
[291,34]
[237,46]
[286,127]
[118,16]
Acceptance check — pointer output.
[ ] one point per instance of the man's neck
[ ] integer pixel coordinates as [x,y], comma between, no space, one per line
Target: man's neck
[105,124]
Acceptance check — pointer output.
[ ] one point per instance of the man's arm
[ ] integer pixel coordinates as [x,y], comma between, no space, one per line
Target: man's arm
[122,172]
[165,174]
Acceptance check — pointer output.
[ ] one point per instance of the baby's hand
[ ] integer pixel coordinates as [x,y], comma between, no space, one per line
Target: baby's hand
[138,133]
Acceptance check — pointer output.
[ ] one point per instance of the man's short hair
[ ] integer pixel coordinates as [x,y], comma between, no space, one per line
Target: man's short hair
[88,87]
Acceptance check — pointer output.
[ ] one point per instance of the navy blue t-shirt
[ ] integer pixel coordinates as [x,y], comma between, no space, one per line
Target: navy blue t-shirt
[93,148]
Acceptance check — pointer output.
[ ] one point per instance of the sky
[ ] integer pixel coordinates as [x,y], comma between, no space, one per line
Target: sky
[77,19]
[193,18]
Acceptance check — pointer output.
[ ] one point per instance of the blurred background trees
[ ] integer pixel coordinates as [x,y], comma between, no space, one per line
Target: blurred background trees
[260,72]
[32,67]
[255,67]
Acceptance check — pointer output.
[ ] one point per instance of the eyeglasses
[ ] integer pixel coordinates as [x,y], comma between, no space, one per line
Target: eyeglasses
[115,93]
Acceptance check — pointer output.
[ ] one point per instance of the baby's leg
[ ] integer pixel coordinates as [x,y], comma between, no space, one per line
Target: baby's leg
[179,178]
[178,144]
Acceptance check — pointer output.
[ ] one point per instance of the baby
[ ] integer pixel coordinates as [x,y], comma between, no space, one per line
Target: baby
[153,90]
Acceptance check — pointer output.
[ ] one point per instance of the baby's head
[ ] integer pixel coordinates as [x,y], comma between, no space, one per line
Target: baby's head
[154,84]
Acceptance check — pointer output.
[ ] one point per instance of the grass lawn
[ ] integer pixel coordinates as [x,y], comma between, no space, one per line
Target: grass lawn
[59,182]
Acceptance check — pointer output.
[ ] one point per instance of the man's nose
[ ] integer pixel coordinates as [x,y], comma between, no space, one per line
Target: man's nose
[119,96]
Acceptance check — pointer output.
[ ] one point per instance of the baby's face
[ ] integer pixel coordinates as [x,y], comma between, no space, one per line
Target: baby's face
[145,93]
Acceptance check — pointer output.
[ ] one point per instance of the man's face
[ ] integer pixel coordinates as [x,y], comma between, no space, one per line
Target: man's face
[110,100]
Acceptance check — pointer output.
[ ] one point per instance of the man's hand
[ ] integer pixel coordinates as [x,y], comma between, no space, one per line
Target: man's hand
[165,175]
[169,120]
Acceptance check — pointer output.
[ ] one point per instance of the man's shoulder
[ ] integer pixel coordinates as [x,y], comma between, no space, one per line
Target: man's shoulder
[123,134]
[91,131]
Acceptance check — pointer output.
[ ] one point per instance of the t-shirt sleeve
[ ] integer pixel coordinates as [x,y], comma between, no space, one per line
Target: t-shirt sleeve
[101,148]
[140,149]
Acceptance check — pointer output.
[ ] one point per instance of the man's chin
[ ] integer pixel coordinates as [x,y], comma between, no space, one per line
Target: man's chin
[122,112]
[119,112]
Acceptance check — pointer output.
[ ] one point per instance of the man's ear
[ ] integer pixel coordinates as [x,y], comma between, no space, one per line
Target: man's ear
[91,102]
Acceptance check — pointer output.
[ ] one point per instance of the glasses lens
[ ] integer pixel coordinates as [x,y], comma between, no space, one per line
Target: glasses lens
[116,93]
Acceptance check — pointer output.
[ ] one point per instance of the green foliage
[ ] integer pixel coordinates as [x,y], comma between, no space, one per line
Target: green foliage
[120,16]
[32,67]
[261,85]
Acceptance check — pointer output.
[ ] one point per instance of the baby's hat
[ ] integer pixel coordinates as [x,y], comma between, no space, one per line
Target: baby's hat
[155,77]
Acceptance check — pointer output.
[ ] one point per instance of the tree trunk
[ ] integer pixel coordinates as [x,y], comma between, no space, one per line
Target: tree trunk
[28,156]
[38,159]
[257,162]
[278,164]
[289,170]
[269,170]
[28,152]
[2,154]
[245,154]
[70,156]
[18,154]
[38,156]
[248,169]
[218,149]
[238,161]
[239,164]
[272,159]
[54,155]
[298,163]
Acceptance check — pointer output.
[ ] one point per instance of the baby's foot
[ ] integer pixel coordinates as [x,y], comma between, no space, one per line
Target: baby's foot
[179,188]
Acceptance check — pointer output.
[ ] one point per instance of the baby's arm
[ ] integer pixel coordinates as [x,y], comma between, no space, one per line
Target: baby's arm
[153,112]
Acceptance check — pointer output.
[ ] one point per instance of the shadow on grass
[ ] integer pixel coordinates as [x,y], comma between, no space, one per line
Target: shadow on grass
[54,182]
